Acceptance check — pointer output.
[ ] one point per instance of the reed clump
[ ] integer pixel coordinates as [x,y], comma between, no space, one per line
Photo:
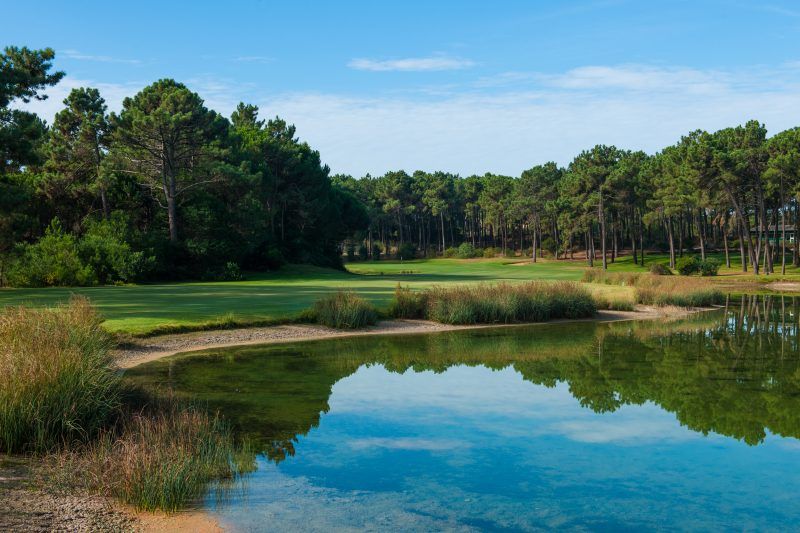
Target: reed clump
[57,385]
[408,304]
[344,310]
[661,290]
[158,459]
[500,303]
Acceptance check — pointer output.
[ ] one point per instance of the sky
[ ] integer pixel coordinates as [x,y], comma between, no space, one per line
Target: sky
[461,86]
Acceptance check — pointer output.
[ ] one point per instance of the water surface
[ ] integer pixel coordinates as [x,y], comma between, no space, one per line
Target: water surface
[692,424]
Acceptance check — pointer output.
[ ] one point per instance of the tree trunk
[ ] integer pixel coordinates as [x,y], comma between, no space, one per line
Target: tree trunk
[671,243]
[602,217]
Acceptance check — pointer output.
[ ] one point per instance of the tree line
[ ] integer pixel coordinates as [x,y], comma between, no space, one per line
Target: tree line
[169,189]
[164,189]
[734,190]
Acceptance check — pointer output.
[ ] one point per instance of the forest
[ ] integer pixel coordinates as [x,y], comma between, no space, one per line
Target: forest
[168,189]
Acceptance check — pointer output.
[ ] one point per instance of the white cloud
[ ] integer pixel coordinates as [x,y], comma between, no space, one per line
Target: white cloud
[510,121]
[412,64]
[254,59]
[74,54]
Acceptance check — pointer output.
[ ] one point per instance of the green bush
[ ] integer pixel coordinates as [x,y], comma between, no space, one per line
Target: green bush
[466,251]
[344,310]
[709,267]
[489,252]
[52,260]
[363,253]
[408,303]
[351,251]
[57,384]
[451,252]
[377,250]
[549,245]
[660,269]
[406,251]
[687,265]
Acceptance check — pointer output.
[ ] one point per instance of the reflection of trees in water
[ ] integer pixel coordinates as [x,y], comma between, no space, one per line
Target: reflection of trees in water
[734,372]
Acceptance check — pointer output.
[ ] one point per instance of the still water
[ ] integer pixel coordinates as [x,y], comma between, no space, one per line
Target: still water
[691,424]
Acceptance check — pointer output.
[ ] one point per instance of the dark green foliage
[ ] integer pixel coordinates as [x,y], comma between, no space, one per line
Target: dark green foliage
[660,269]
[709,267]
[406,251]
[687,265]
[451,252]
[344,310]
[467,251]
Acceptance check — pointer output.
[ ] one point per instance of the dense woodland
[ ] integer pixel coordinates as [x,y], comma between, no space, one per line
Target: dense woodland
[168,189]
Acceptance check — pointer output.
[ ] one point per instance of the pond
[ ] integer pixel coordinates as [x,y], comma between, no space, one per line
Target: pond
[691,424]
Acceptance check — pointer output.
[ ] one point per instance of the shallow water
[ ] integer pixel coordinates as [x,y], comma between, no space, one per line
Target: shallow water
[692,424]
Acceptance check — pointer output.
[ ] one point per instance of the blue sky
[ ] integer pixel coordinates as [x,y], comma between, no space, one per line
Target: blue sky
[467,87]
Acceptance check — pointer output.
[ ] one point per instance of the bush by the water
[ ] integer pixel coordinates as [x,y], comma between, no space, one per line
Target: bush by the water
[660,290]
[660,269]
[344,310]
[56,381]
[161,458]
[408,303]
[507,303]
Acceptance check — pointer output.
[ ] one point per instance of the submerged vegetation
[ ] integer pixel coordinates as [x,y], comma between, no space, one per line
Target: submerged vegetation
[61,395]
[661,290]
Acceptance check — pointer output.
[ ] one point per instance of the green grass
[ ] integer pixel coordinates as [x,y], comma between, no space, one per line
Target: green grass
[282,296]
[276,297]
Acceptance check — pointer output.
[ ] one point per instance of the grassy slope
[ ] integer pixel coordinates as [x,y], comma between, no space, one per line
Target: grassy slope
[139,309]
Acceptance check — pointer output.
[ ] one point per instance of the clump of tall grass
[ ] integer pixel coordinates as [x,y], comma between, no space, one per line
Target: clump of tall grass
[661,290]
[57,385]
[159,460]
[614,304]
[408,303]
[506,303]
[344,310]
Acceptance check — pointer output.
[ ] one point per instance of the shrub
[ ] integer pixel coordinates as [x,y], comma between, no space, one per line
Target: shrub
[52,260]
[408,303]
[489,252]
[351,251]
[466,251]
[504,303]
[344,310]
[660,269]
[614,304]
[363,253]
[549,245]
[56,383]
[709,267]
[451,252]
[406,251]
[376,252]
[687,265]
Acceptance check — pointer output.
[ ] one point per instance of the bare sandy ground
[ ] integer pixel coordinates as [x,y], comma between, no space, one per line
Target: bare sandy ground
[784,286]
[141,351]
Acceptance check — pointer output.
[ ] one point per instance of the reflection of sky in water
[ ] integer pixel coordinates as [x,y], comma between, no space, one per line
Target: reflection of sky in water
[474,448]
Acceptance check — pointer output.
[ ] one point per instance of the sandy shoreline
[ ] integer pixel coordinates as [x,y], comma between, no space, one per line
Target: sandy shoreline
[141,351]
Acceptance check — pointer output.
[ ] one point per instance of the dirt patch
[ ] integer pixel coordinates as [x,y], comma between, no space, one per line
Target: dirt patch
[784,286]
[144,350]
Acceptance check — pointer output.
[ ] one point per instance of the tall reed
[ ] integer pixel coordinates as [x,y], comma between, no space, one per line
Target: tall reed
[57,385]
[344,310]
[661,290]
[507,303]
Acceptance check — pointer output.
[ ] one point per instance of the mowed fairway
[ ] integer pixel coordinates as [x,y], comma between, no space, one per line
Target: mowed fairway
[138,309]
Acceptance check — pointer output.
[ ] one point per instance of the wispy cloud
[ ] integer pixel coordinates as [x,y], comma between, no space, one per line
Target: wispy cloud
[507,122]
[254,59]
[411,64]
[75,54]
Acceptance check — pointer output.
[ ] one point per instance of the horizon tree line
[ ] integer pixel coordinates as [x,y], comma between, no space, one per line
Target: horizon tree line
[169,189]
